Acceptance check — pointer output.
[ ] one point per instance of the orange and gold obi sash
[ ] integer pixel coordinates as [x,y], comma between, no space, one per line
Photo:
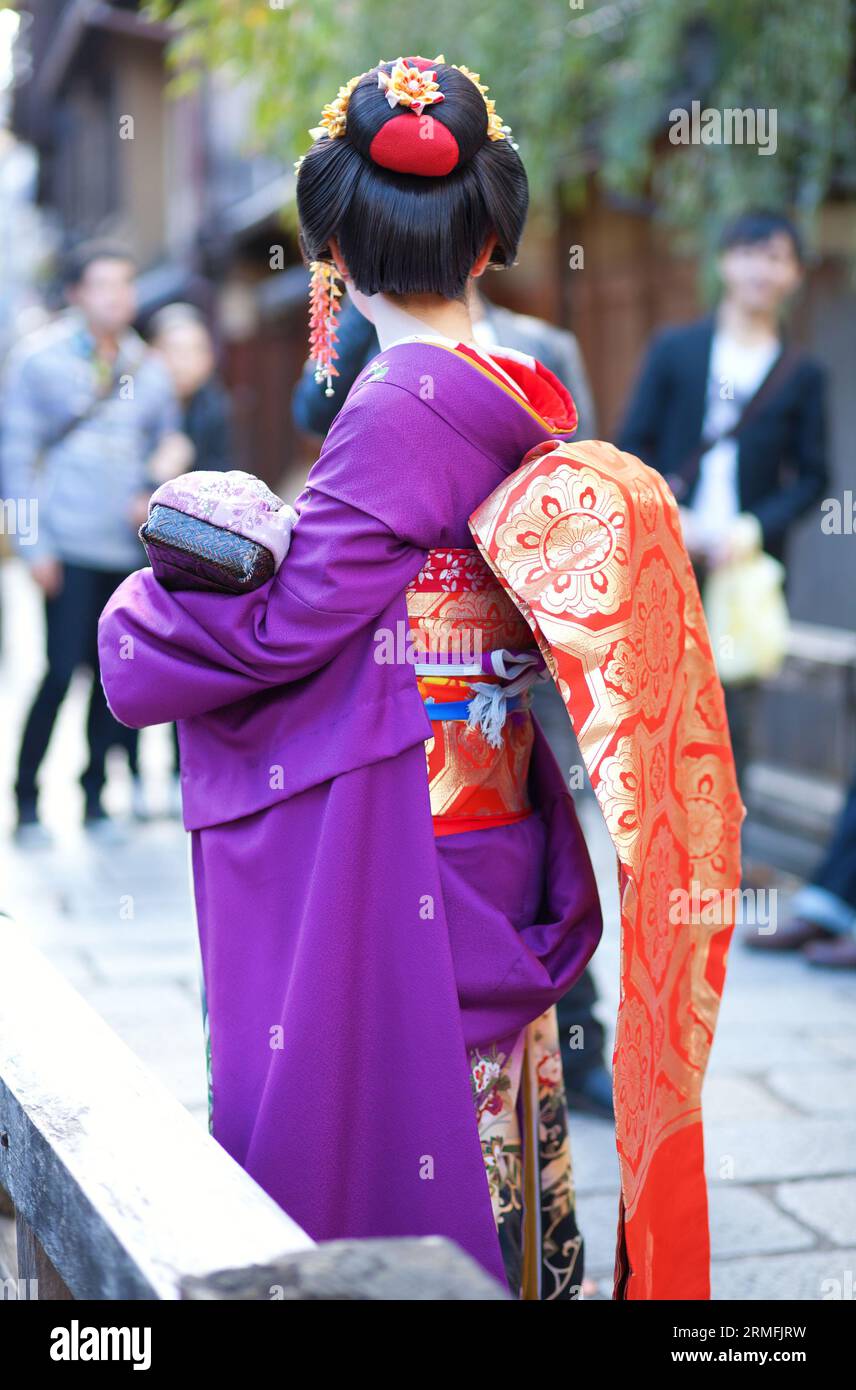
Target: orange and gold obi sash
[476,660]
[588,540]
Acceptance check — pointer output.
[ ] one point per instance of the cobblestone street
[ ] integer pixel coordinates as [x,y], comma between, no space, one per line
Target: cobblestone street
[780,1098]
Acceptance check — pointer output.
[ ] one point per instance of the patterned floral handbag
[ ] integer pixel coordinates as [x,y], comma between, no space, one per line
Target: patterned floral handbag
[222,531]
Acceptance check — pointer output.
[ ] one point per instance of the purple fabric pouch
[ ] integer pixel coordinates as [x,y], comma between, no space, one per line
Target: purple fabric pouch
[225,532]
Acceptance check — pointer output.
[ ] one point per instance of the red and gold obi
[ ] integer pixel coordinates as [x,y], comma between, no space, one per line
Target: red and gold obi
[475,661]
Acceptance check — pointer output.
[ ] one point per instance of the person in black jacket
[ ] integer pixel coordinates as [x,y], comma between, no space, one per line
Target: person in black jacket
[734,419]
[180,335]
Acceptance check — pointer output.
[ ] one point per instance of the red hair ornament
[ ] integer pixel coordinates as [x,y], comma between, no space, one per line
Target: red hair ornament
[421,146]
[412,144]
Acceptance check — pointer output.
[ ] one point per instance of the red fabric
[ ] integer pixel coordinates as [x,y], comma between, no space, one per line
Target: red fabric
[444,826]
[454,600]
[588,542]
[412,144]
[421,63]
[541,387]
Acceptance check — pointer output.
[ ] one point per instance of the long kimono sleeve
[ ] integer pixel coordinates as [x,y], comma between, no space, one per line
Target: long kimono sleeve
[168,655]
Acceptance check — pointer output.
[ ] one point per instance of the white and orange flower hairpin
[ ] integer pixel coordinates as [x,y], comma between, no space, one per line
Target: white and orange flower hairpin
[406,85]
[410,86]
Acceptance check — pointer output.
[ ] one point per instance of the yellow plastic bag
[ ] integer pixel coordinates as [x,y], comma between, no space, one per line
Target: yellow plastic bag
[747,618]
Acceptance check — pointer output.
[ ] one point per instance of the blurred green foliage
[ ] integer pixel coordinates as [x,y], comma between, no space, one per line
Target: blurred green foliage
[585,85]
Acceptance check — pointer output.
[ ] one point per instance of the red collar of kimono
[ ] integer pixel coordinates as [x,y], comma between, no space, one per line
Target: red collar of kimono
[538,389]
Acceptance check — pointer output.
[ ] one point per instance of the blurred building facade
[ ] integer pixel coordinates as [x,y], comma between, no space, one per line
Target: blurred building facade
[173,179]
[179,181]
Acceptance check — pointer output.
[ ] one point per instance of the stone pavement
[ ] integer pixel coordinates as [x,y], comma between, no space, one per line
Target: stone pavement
[780,1097]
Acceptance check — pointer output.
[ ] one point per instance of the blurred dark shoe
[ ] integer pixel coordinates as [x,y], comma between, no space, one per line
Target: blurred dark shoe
[592,1093]
[139,800]
[839,954]
[104,829]
[174,804]
[793,936]
[31,834]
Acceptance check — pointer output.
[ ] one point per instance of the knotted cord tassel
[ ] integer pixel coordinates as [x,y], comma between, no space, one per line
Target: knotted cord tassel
[489,705]
[488,710]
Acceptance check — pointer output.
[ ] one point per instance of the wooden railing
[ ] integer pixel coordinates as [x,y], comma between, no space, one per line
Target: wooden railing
[118,1192]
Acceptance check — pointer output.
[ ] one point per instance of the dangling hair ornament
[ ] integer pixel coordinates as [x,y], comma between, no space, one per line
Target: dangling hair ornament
[324,306]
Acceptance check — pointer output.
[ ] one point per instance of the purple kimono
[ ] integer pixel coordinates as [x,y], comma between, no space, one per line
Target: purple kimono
[350,958]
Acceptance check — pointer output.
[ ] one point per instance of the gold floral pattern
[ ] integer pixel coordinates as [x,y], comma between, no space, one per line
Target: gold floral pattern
[633,1058]
[564,543]
[646,500]
[657,774]
[588,541]
[709,707]
[662,871]
[456,610]
[714,817]
[619,792]
[409,86]
[622,669]
[656,617]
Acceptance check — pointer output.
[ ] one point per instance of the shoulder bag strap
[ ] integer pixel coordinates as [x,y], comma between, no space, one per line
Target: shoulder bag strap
[782,368]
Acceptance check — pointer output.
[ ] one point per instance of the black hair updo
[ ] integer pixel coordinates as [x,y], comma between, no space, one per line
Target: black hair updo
[408,234]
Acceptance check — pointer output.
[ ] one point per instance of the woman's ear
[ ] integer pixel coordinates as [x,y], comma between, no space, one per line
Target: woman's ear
[483,256]
[338,259]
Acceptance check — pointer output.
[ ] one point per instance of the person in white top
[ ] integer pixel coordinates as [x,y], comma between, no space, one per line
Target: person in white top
[731,371]
[757,279]
[697,380]
[738,365]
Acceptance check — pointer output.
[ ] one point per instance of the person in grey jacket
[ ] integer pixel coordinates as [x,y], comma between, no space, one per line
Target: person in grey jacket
[556,348]
[89,420]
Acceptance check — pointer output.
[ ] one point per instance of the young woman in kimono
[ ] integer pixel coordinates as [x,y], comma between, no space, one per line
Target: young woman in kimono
[392,888]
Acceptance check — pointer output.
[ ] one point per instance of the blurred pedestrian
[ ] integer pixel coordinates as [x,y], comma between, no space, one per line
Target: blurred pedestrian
[823,913]
[89,425]
[734,418]
[358,343]
[181,337]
